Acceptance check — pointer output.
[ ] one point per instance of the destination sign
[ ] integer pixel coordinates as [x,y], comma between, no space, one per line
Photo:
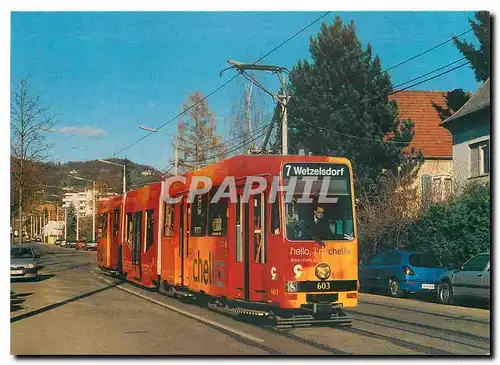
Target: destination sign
[315,169]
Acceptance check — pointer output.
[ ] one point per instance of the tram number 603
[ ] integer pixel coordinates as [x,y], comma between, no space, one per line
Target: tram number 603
[323,285]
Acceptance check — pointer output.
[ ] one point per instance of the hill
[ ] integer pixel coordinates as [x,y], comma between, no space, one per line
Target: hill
[108,177]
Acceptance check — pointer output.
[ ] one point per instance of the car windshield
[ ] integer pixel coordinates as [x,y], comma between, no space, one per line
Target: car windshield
[425,260]
[21,253]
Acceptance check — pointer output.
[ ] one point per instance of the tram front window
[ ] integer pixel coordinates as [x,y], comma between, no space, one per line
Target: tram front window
[324,213]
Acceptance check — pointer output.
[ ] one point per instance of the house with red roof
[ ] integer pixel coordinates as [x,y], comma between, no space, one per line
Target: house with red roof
[435,141]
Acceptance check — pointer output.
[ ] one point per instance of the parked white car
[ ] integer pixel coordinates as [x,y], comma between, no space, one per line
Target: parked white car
[472,279]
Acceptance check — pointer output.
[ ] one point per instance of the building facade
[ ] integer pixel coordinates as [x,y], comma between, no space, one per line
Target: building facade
[435,177]
[470,130]
[82,201]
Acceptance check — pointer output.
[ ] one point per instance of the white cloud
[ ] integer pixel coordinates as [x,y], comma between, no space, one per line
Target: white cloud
[83,131]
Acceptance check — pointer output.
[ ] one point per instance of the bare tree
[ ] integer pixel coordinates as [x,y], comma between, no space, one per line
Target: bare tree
[247,119]
[197,140]
[384,218]
[28,119]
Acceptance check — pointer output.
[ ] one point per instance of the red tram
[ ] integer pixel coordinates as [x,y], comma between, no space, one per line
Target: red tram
[291,258]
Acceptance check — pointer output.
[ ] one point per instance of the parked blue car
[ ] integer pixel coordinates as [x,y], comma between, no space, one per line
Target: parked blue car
[401,272]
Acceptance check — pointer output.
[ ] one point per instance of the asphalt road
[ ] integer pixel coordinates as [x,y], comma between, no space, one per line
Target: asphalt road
[75,309]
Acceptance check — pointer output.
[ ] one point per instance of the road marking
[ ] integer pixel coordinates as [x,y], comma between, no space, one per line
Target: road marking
[191,315]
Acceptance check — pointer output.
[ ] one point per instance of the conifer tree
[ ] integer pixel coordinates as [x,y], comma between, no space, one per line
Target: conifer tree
[480,58]
[340,107]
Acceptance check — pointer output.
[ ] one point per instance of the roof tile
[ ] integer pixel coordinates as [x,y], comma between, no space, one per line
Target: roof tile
[431,138]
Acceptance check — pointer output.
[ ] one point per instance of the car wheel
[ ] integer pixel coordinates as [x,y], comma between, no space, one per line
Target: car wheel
[445,293]
[395,289]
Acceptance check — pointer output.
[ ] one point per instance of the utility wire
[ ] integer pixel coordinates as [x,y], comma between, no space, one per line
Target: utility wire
[293,36]
[428,73]
[234,149]
[427,51]
[220,87]
[392,93]
[259,129]
[176,116]
[431,78]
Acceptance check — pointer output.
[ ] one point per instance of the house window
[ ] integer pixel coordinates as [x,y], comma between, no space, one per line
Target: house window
[441,188]
[479,158]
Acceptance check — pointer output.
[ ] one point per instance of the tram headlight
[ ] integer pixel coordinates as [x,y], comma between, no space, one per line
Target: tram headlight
[291,286]
[323,271]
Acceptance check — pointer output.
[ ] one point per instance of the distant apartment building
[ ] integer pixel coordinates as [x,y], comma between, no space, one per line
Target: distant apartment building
[82,201]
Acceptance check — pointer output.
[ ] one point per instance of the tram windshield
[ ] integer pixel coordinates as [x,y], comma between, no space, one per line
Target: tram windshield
[318,204]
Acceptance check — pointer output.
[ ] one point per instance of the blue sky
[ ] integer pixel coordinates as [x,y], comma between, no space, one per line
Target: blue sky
[105,74]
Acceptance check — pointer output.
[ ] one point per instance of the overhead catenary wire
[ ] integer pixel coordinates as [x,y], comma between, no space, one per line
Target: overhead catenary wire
[220,87]
[244,135]
[293,36]
[234,149]
[273,50]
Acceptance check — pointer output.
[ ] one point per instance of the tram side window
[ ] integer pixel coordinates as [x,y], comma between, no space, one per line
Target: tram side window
[239,232]
[137,237]
[116,220]
[130,229]
[102,231]
[259,218]
[217,218]
[104,225]
[275,217]
[199,216]
[168,220]
[150,223]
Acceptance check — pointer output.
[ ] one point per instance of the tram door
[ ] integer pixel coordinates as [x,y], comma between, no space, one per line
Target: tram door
[183,235]
[109,236]
[137,244]
[240,279]
[249,253]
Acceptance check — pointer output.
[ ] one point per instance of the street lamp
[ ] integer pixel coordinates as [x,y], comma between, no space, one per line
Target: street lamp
[93,205]
[176,148]
[117,164]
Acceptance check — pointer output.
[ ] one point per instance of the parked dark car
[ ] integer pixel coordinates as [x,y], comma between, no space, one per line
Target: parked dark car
[472,279]
[401,272]
[71,244]
[23,262]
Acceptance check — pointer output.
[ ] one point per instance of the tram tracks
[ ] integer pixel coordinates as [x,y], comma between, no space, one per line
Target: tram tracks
[451,332]
[398,342]
[423,334]
[461,318]
[251,340]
